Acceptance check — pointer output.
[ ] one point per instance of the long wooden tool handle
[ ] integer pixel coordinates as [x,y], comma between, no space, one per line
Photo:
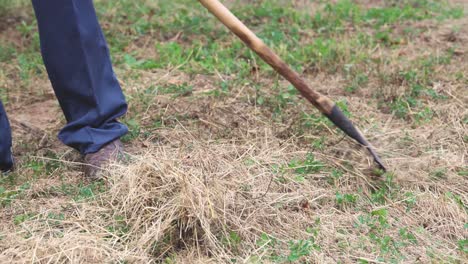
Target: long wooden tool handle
[321,102]
[324,104]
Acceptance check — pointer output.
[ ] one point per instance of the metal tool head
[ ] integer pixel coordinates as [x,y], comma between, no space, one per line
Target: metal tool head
[342,122]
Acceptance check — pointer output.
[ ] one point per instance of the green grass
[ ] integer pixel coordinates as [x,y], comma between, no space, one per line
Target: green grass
[204,45]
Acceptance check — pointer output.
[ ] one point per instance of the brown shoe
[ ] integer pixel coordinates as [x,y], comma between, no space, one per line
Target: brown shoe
[94,162]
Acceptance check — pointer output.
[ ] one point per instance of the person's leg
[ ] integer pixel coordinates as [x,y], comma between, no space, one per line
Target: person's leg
[6,162]
[77,60]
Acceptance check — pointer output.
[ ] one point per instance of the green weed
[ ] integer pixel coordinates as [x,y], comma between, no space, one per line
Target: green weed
[300,168]
[79,192]
[301,248]
[463,171]
[30,64]
[345,199]
[177,90]
[119,226]
[304,167]
[385,190]
[410,200]
[8,195]
[18,219]
[463,245]
[134,130]
[407,237]
[7,53]
[334,177]
[458,200]
[439,173]
[357,81]
[232,240]
[297,249]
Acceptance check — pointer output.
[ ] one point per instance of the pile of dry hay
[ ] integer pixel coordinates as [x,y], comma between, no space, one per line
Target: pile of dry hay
[211,202]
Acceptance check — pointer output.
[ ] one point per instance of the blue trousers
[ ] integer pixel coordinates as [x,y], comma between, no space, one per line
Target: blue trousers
[78,63]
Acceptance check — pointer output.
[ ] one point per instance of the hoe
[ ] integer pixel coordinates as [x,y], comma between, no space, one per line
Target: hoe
[326,106]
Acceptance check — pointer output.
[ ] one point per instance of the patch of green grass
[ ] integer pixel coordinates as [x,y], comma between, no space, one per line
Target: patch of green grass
[79,192]
[170,54]
[407,237]
[463,172]
[299,168]
[199,58]
[30,64]
[385,190]
[345,199]
[119,226]
[18,219]
[285,97]
[323,54]
[134,130]
[463,245]
[10,194]
[335,16]
[227,58]
[9,5]
[232,240]
[301,248]
[55,217]
[41,167]
[458,200]
[7,52]
[335,176]
[319,144]
[410,200]
[413,104]
[302,168]
[357,81]
[204,47]
[439,173]
[176,89]
[378,226]
[297,250]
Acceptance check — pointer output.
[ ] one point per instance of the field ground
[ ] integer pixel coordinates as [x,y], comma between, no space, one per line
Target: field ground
[226,163]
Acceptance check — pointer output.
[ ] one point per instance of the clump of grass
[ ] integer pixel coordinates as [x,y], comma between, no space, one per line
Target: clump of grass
[189,204]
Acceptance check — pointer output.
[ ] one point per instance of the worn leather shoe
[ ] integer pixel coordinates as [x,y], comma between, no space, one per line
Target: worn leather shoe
[95,162]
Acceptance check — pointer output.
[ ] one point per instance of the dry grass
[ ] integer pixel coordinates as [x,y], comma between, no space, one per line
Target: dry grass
[219,179]
[190,199]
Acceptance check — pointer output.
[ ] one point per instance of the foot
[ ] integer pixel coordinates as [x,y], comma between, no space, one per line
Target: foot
[95,162]
[6,170]
[6,167]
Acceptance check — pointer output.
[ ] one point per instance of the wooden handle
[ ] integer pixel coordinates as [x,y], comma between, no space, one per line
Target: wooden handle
[324,104]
